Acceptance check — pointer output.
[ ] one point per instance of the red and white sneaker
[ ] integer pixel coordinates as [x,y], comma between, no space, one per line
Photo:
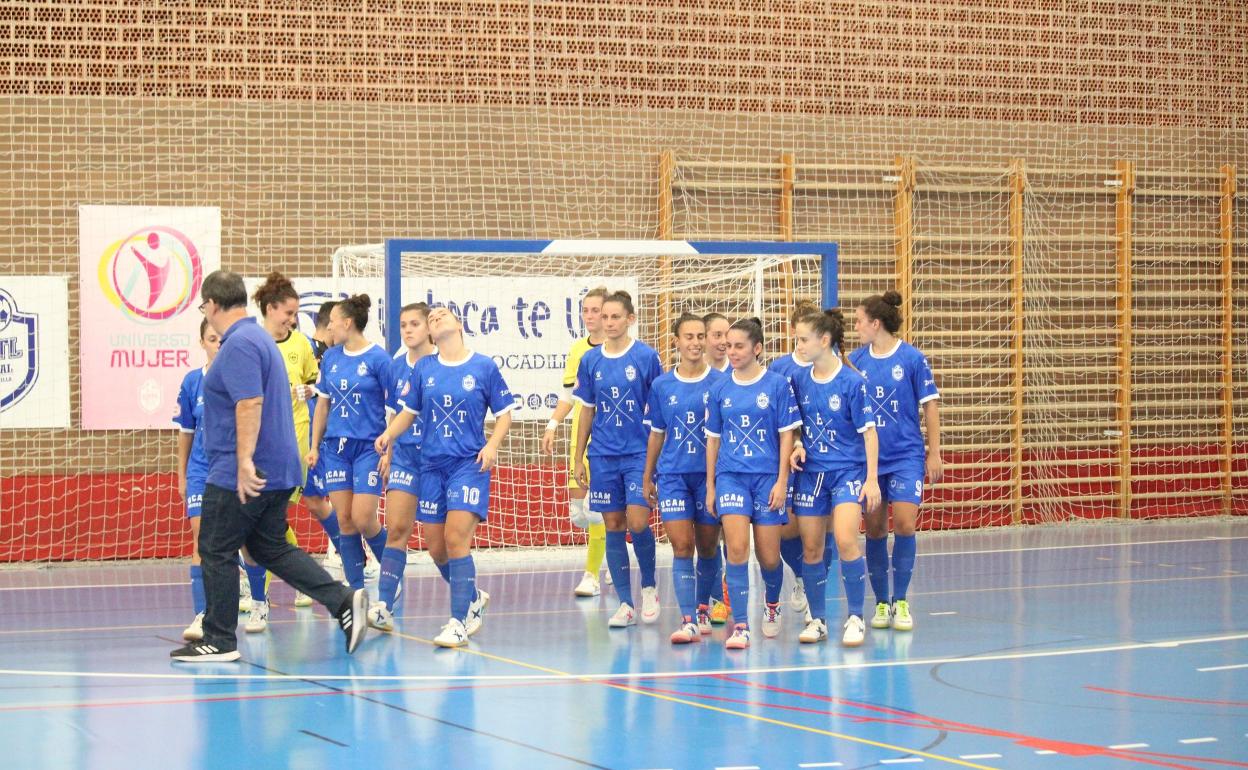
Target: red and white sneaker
[704,620]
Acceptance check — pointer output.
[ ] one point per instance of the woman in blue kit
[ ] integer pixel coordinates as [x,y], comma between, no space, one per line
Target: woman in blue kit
[403,461]
[613,386]
[350,415]
[677,450]
[899,385]
[193,466]
[835,465]
[751,419]
[452,391]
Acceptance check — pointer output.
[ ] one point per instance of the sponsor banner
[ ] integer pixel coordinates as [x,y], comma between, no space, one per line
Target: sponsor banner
[141,269]
[34,352]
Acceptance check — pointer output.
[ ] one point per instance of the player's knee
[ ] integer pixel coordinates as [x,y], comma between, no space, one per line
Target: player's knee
[812,552]
[398,534]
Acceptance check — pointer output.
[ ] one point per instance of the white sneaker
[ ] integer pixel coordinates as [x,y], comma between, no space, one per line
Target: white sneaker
[797,600]
[771,620]
[688,632]
[740,638]
[195,631]
[807,616]
[476,612]
[372,570]
[649,604]
[379,617]
[902,619]
[244,593]
[607,578]
[704,620]
[883,616]
[332,563]
[303,600]
[815,631]
[589,586]
[855,631]
[259,618]
[453,634]
[624,616]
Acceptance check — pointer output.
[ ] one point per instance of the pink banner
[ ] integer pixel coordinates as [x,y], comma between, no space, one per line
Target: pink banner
[141,268]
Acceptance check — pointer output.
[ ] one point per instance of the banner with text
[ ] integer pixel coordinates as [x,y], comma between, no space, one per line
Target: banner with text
[141,269]
[34,352]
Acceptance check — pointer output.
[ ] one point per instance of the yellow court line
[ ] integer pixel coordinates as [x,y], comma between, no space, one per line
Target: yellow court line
[705,706]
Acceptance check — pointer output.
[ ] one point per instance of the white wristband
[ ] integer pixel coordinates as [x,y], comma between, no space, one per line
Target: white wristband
[552,425]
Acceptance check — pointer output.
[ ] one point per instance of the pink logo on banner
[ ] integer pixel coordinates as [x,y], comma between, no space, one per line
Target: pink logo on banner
[151,275]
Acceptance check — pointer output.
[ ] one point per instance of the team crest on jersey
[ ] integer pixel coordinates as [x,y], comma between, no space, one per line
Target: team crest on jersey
[429,383]
[834,403]
[597,375]
[898,373]
[762,401]
[469,382]
[727,403]
[362,369]
[630,373]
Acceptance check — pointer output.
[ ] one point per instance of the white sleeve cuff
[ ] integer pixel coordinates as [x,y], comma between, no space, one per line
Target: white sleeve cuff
[864,428]
[925,399]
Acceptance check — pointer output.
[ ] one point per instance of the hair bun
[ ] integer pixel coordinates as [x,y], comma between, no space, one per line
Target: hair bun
[893,298]
[361,301]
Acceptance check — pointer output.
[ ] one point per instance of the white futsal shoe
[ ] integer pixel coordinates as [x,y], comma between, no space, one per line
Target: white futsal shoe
[372,570]
[649,604]
[771,620]
[332,563]
[797,600]
[855,632]
[815,631]
[476,612]
[688,632]
[740,638]
[195,631]
[379,617]
[902,619]
[589,586]
[883,616]
[704,620]
[453,634]
[623,617]
[259,618]
[244,593]
[303,600]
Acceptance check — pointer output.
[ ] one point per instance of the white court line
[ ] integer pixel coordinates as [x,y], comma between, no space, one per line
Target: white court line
[1206,739]
[1164,565]
[819,764]
[739,767]
[901,761]
[936,614]
[1128,746]
[1103,558]
[94,585]
[979,756]
[631,675]
[1222,668]
[1045,752]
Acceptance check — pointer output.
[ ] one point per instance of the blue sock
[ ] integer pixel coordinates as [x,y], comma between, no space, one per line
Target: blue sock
[829,550]
[617,563]
[877,568]
[197,589]
[853,574]
[445,571]
[463,585]
[351,548]
[643,547]
[708,577]
[816,577]
[393,562]
[377,543]
[330,525]
[739,589]
[255,578]
[904,548]
[717,587]
[791,553]
[686,590]
[773,579]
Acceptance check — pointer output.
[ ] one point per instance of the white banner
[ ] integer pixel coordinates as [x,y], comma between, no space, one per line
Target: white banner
[34,352]
[525,323]
[141,269]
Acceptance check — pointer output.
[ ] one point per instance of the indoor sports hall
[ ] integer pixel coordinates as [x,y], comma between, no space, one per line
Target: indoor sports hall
[1055,190]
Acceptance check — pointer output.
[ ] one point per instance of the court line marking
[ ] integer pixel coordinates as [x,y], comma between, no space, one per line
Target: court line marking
[1222,668]
[1119,746]
[827,764]
[632,675]
[1045,752]
[901,760]
[1072,546]
[1206,739]
[979,756]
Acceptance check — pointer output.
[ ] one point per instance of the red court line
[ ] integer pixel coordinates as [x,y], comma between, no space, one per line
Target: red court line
[1170,698]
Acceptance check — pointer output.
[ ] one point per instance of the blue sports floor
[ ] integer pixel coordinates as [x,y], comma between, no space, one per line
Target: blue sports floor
[1085,646]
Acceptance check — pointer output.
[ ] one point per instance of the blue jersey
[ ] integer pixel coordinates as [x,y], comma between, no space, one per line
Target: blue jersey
[748,419]
[789,366]
[355,384]
[677,408]
[399,385]
[189,417]
[617,387]
[897,384]
[452,400]
[835,414]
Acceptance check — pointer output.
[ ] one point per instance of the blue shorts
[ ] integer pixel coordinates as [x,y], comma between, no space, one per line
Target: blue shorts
[817,493]
[615,483]
[404,470]
[457,485]
[194,496]
[314,484]
[746,494]
[902,481]
[682,496]
[351,465]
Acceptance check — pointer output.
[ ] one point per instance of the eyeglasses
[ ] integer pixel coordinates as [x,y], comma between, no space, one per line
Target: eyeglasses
[203,304]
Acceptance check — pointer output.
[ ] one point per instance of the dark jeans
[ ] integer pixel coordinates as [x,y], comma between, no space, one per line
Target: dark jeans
[226,525]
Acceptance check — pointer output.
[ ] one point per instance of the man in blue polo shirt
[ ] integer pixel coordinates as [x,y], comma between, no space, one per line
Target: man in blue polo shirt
[253,466]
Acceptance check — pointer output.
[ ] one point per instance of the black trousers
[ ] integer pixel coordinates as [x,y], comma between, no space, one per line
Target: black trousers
[225,526]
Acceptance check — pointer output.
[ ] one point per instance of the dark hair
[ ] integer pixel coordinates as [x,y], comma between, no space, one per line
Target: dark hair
[322,313]
[602,292]
[685,318]
[711,316]
[203,328]
[419,307]
[622,297]
[356,308]
[801,309]
[224,288]
[829,322]
[275,290]
[752,327]
[885,309]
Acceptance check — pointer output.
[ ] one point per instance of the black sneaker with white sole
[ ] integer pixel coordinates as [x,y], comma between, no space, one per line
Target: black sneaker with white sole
[353,618]
[201,652]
